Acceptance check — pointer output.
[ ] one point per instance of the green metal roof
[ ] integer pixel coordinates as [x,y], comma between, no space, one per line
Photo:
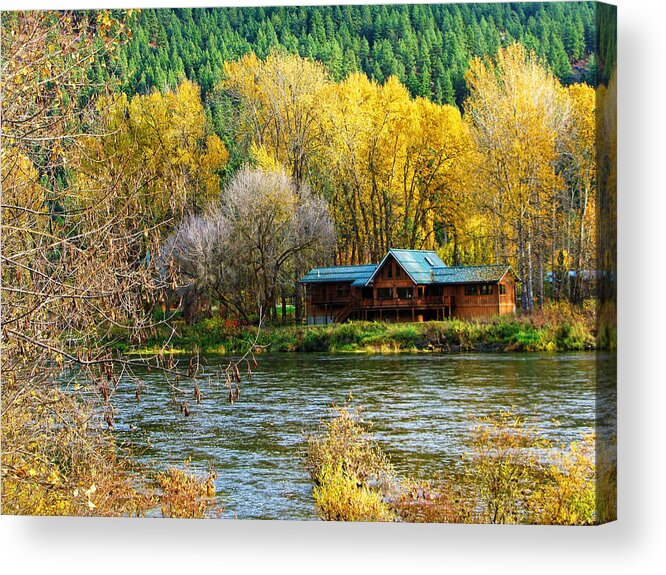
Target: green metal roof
[424,267]
[358,275]
[470,274]
[419,264]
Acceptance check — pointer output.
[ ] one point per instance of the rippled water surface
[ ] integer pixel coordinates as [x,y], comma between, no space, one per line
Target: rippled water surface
[419,406]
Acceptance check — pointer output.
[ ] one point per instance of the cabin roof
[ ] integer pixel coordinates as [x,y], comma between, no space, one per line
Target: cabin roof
[418,264]
[424,267]
[492,273]
[358,275]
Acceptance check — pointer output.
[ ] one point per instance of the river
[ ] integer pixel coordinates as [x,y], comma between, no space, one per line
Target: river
[419,407]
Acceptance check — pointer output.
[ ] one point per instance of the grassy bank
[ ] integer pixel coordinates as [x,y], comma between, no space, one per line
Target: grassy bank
[557,328]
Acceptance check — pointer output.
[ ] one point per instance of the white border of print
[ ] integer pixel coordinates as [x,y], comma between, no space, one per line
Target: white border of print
[632,544]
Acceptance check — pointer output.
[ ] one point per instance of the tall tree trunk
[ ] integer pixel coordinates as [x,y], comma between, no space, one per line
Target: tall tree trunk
[297,301]
[524,292]
[530,275]
[274,311]
[284,305]
[541,294]
[580,258]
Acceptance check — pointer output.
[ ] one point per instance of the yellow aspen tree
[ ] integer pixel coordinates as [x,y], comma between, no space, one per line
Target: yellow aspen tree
[278,100]
[159,151]
[580,173]
[518,110]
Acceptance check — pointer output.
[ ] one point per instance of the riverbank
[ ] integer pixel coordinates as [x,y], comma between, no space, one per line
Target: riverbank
[560,329]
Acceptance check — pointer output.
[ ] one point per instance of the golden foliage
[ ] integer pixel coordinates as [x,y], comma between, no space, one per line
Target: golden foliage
[278,100]
[346,443]
[518,112]
[340,497]
[55,462]
[184,495]
[395,166]
[158,152]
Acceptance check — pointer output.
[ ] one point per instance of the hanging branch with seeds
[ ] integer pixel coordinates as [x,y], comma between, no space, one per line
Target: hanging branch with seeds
[232,371]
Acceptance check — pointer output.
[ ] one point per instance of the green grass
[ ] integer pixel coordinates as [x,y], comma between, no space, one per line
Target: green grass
[562,332]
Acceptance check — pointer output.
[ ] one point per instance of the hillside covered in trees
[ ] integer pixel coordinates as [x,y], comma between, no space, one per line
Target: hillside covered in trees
[427,47]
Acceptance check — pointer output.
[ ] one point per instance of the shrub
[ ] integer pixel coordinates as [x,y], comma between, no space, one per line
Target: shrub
[340,497]
[567,495]
[513,484]
[573,336]
[314,340]
[345,443]
[55,461]
[351,473]
[505,468]
[184,495]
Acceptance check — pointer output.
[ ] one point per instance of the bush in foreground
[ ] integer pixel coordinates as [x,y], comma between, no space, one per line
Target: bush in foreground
[57,460]
[184,495]
[514,475]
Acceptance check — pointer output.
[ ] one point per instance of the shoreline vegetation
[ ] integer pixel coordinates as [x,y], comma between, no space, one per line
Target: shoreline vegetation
[557,328]
[504,480]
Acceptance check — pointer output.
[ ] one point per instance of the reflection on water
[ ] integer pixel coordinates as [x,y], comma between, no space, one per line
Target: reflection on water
[419,406]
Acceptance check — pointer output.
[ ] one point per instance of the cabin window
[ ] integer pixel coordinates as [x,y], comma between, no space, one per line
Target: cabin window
[405,293]
[385,293]
[471,290]
[342,291]
[366,293]
[390,270]
[502,289]
[486,289]
[398,271]
[434,290]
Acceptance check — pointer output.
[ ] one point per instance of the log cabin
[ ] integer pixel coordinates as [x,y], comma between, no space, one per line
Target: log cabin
[408,285]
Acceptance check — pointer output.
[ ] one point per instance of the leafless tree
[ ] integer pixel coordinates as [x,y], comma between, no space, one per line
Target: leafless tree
[245,249]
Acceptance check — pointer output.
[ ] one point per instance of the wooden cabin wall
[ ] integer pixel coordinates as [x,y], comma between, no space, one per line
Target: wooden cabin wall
[507,301]
[331,293]
[324,299]
[382,279]
[474,306]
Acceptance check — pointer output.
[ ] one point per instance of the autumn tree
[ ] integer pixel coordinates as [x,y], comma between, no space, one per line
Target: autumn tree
[157,150]
[59,277]
[518,111]
[277,101]
[579,171]
[75,270]
[395,167]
